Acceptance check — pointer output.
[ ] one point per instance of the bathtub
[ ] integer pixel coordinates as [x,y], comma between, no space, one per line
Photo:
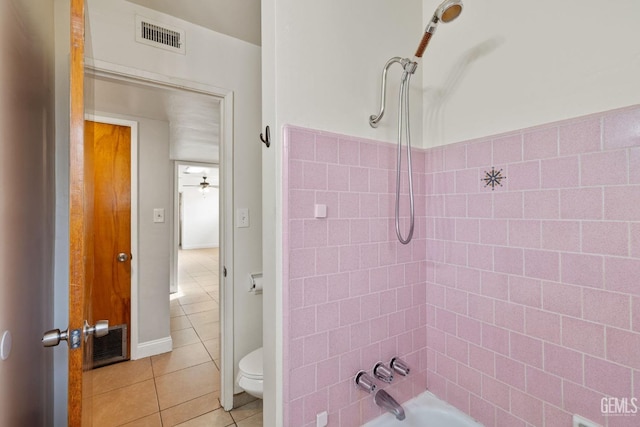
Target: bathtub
[426,410]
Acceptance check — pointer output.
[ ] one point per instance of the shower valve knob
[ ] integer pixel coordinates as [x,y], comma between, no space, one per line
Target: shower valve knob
[399,366]
[365,382]
[382,373]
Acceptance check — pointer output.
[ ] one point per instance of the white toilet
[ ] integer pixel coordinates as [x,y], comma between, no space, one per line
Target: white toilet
[251,373]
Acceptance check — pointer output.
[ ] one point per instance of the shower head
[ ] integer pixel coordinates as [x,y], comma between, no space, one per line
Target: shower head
[446,12]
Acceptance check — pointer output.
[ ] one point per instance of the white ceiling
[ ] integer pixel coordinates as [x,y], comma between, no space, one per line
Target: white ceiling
[235,18]
[194,118]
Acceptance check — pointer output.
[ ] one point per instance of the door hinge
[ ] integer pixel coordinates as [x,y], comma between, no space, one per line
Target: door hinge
[224,271]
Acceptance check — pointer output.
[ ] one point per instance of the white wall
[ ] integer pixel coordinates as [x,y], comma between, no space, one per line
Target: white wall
[26,209]
[200,219]
[216,60]
[155,178]
[329,58]
[505,65]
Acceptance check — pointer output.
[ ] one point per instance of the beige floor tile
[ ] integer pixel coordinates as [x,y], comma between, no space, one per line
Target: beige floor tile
[180,322]
[184,337]
[215,289]
[180,358]
[191,409]
[209,285]
[197,269]
[148,421]
[187,384]
[246,411]
[192,290]
[217,418]
[213,347]
[202,273]
[186,283]
[254,421]
[199,307]
[175,311]
[191,299]
[121,374]
[125,404]
[208,316]
[207,331]
[242,399]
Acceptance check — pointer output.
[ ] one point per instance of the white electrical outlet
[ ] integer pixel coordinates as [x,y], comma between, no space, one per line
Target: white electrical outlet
[579,421]
[242,217]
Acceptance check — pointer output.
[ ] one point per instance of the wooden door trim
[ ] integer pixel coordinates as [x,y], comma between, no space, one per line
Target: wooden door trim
[76,207]
[134,326]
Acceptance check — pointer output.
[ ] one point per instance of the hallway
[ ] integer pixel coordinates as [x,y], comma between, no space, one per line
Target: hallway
[181,387]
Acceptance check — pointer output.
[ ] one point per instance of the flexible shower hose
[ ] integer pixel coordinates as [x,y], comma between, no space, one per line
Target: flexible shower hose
[403,112]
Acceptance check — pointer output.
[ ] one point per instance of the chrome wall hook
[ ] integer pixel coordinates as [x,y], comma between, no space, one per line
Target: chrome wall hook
[267,140]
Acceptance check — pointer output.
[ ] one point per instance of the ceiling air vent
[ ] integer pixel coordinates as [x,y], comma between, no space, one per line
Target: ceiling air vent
[160,35]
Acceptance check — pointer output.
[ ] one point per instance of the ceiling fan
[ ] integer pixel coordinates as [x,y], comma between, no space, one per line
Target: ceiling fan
[203,186]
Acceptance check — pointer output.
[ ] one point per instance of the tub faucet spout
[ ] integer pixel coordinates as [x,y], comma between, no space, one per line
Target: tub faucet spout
[389,404]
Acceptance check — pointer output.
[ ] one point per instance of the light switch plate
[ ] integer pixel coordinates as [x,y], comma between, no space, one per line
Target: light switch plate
[158,215]
[242,217]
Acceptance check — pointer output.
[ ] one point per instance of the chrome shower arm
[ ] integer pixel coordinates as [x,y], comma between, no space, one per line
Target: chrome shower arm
[373,119]
[409,68]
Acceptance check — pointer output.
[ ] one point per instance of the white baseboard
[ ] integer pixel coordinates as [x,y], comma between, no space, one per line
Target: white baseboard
[151,348]
[201,246]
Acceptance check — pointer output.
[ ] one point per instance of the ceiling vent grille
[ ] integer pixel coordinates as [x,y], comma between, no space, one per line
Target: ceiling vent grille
[159,35]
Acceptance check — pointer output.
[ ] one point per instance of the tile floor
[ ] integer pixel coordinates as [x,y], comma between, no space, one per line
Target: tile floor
[179,388]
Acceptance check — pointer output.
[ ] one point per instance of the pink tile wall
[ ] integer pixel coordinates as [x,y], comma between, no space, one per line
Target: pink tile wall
[536,313]
[353,294]
[520,306]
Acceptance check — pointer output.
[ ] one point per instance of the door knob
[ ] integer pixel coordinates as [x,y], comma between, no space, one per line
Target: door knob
[100,329]
[122,257]
[53,337]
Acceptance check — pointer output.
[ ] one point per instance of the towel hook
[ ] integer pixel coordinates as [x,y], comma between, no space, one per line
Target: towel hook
[266,141]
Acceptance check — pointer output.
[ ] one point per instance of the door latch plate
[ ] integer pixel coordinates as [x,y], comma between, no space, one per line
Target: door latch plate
[74,339]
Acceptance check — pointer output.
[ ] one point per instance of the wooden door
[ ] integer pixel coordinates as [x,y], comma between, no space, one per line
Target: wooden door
[80,243]
[110,149]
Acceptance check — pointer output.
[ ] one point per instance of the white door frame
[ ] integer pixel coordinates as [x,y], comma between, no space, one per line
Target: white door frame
[133,316]
[128,74]
[176,218]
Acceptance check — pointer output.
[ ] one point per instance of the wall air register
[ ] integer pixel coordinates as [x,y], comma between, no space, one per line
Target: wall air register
[111,348]
[159,35]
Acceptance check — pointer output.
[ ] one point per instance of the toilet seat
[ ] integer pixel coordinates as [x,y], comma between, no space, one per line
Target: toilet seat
[251,372]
